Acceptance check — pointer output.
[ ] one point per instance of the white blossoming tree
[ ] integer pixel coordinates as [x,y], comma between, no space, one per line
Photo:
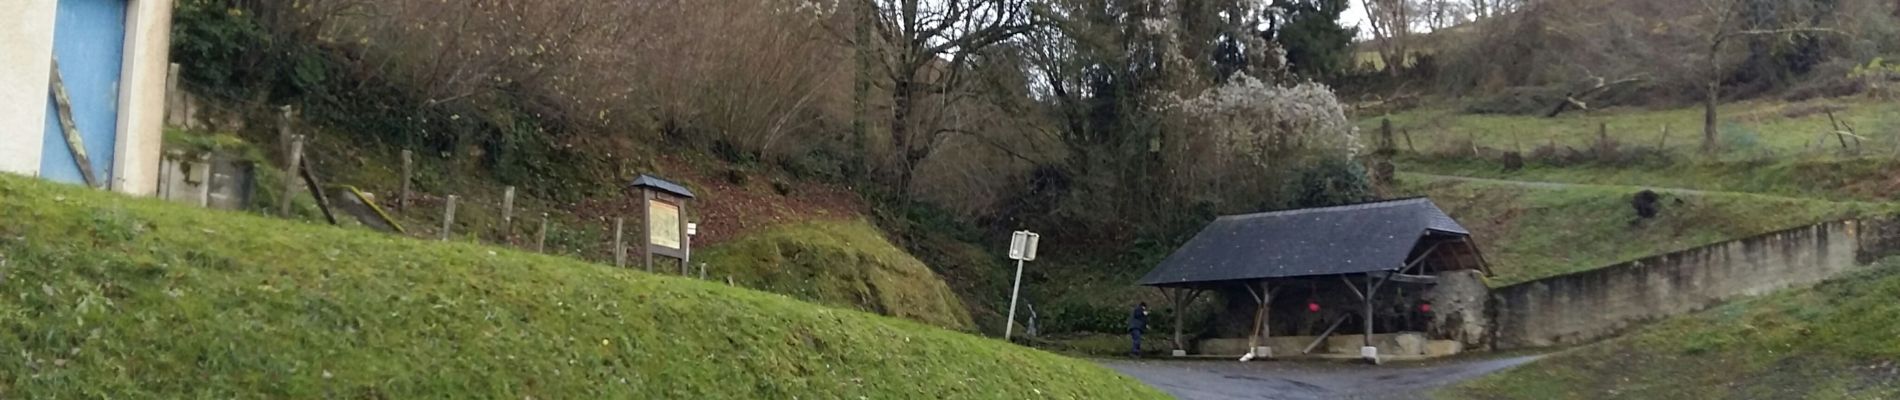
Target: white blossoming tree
[1248,137]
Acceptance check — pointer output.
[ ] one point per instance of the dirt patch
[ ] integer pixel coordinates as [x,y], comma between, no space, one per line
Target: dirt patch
[727,210]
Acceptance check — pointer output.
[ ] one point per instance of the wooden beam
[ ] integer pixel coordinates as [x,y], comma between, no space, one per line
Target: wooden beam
[1323,335]
[70,127]
[316,191]
[1422,257]
[1354,287]
[1404,278]
[1483,265]
[1372,290]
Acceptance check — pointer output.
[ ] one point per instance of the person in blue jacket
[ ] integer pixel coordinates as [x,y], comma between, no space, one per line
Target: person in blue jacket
[1137,324]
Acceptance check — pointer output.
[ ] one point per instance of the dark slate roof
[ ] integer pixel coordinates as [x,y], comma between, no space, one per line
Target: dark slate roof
[1338,240]
[649,181]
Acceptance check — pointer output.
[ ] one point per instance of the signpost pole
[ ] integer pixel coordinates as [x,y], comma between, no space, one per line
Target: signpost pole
[1009,327]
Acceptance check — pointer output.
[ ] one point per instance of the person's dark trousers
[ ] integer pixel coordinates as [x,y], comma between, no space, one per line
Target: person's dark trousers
[1136,335]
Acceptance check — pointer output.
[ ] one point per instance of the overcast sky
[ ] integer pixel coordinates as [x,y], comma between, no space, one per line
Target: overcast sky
[1355,17]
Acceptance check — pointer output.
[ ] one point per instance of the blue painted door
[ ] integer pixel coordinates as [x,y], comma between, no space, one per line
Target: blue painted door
[89,40]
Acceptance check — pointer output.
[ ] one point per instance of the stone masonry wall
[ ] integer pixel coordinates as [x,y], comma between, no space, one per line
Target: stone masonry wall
[1591,305]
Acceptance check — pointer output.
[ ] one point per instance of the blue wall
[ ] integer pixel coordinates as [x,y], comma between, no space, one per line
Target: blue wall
[89,40]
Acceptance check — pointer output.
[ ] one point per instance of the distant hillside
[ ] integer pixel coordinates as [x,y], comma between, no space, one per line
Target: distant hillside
[111,296]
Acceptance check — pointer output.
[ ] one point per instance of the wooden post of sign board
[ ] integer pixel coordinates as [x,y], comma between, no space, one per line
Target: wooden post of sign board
[646,228]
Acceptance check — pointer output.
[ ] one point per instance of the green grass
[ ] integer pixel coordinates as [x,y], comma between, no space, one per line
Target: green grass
[841,263]
[1750,129]
[1839,340]
[1835,178]
[1530,233]
[107,296]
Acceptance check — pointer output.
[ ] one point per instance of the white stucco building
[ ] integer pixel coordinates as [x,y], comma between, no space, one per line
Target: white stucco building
[113,56]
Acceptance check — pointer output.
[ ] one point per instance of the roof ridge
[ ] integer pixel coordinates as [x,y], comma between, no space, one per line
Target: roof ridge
[1342,207]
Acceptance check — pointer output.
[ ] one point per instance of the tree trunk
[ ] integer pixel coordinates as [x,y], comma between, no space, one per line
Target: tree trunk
[901,103]
[861,87]
[1714,94]
[1708,116]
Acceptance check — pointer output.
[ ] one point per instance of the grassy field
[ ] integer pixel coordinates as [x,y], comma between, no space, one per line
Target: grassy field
[108,296]
[1839,340]
[1835,178]
[1531,232]
[1749,130]
[841,263]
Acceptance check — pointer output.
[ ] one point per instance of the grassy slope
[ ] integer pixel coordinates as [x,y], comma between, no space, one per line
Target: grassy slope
[1839,340]
[135,298]
[1859,178]
[1769,147]
[1536,232]
[1749,127]
[840,263]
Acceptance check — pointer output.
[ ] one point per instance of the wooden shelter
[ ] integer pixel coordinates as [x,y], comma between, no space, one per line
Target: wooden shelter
[1339,255]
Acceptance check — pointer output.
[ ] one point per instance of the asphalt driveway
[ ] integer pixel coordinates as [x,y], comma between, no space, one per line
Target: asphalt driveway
[1299,380]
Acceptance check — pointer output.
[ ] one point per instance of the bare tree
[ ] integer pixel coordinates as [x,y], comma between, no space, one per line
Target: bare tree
[1390,24]
[1728,20]
[926,47]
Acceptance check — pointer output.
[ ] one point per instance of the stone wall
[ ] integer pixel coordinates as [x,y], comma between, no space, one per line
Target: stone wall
[1600,303]
[1458,304]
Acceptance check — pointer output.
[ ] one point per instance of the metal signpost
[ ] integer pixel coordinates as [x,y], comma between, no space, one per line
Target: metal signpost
[1022,247]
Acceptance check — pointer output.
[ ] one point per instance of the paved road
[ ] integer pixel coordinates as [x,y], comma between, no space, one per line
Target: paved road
[1301,380]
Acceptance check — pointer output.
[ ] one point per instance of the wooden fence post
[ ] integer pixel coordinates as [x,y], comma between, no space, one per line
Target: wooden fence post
[1603,140]
[507,212]
[1385,136]
[290,173]
[408,168]
[541,239]
[448,217]
[172,103]
[204,188]
[620,247]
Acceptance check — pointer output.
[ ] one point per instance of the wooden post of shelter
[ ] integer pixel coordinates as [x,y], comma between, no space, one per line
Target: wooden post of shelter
[1263,318]
[1179,299]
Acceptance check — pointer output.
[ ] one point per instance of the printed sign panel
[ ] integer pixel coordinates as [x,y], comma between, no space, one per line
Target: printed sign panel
[663,225]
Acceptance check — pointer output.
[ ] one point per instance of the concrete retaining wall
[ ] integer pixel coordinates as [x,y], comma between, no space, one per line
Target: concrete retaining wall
[1591,305]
